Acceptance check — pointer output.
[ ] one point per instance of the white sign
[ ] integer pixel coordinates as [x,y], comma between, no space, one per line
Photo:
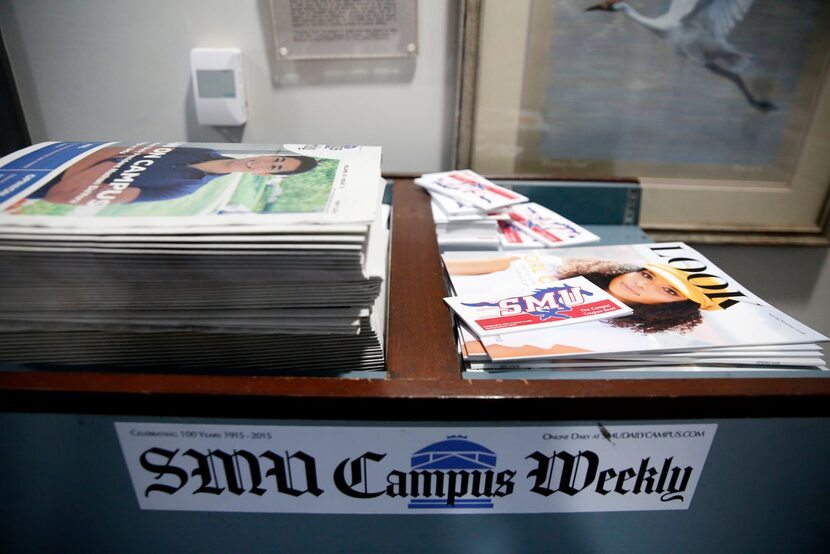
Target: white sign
[414,470]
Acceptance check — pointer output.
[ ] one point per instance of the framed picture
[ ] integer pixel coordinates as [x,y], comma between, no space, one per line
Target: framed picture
[720,108]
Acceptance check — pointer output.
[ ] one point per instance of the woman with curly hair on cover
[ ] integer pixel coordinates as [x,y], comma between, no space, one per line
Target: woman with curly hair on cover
[660,295]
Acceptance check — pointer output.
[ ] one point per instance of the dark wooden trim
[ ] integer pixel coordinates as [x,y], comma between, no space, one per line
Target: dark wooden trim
[412,385]
[415,400]
[420,341]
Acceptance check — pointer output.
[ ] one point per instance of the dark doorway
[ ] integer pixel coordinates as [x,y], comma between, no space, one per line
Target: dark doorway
[14,134]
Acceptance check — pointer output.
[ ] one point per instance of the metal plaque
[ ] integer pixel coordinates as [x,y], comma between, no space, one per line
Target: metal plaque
[327,29]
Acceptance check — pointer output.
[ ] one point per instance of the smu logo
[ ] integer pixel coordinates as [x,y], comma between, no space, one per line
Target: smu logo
[547,303]
[454,473]
[463,473]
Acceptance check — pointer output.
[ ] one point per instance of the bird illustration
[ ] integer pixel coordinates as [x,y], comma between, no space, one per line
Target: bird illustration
[698,30]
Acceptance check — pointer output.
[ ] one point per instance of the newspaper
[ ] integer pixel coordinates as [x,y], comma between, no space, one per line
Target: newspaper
[13,238]
[681,301]
[135,243]
[175,185]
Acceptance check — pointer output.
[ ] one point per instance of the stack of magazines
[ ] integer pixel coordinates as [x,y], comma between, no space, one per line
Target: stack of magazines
[473,213]
[640,306]
[193,256]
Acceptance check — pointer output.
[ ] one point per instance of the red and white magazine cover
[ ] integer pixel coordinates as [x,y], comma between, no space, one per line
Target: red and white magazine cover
[569,301]
[511,237]
[549,227]
[470,188]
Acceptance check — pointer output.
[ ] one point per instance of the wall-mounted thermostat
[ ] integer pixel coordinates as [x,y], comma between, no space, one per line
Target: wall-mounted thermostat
[217,86]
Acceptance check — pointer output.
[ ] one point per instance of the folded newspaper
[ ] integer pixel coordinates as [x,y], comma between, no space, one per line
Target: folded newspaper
[683,306]
[167,237]
[472,212]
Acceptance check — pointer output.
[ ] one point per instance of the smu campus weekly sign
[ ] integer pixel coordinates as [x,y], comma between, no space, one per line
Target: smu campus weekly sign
[397,470]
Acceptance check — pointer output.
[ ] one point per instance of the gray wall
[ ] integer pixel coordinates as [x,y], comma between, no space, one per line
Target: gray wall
[795,280]
[120,70]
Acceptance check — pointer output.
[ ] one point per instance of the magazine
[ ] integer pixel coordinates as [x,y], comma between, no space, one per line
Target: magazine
[173,184]
[512,237]
[549,227]
[445,208]
[470,188]
[681,301]
[582,363]
[569,301]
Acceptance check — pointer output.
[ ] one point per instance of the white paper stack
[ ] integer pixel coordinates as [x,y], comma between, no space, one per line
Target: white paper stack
[473,213]
[192,256]
[685,313]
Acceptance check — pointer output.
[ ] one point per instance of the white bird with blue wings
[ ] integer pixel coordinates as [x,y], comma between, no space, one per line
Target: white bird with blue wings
[698,30]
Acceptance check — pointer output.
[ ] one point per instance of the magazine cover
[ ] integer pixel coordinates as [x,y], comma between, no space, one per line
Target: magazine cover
[569,301]
[681,301]
[511,236]
[69,184]
[470,188]
[549,227]
[449,209]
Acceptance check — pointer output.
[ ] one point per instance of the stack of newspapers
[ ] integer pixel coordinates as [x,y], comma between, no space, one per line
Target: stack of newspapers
[616,308]
[193,257]
[473,213]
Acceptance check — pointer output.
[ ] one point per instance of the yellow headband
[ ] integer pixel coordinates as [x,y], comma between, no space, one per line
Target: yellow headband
[678,280]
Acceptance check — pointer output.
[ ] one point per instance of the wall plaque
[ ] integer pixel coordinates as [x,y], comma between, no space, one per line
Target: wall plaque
[327,29]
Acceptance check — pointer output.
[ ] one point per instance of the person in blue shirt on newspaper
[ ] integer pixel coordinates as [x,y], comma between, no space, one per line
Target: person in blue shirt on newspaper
[178,172]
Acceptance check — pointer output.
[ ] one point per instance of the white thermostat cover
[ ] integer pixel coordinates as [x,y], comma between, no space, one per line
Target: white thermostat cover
[218,87]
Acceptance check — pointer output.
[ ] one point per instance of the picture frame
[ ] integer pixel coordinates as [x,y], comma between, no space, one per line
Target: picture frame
[555,95]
